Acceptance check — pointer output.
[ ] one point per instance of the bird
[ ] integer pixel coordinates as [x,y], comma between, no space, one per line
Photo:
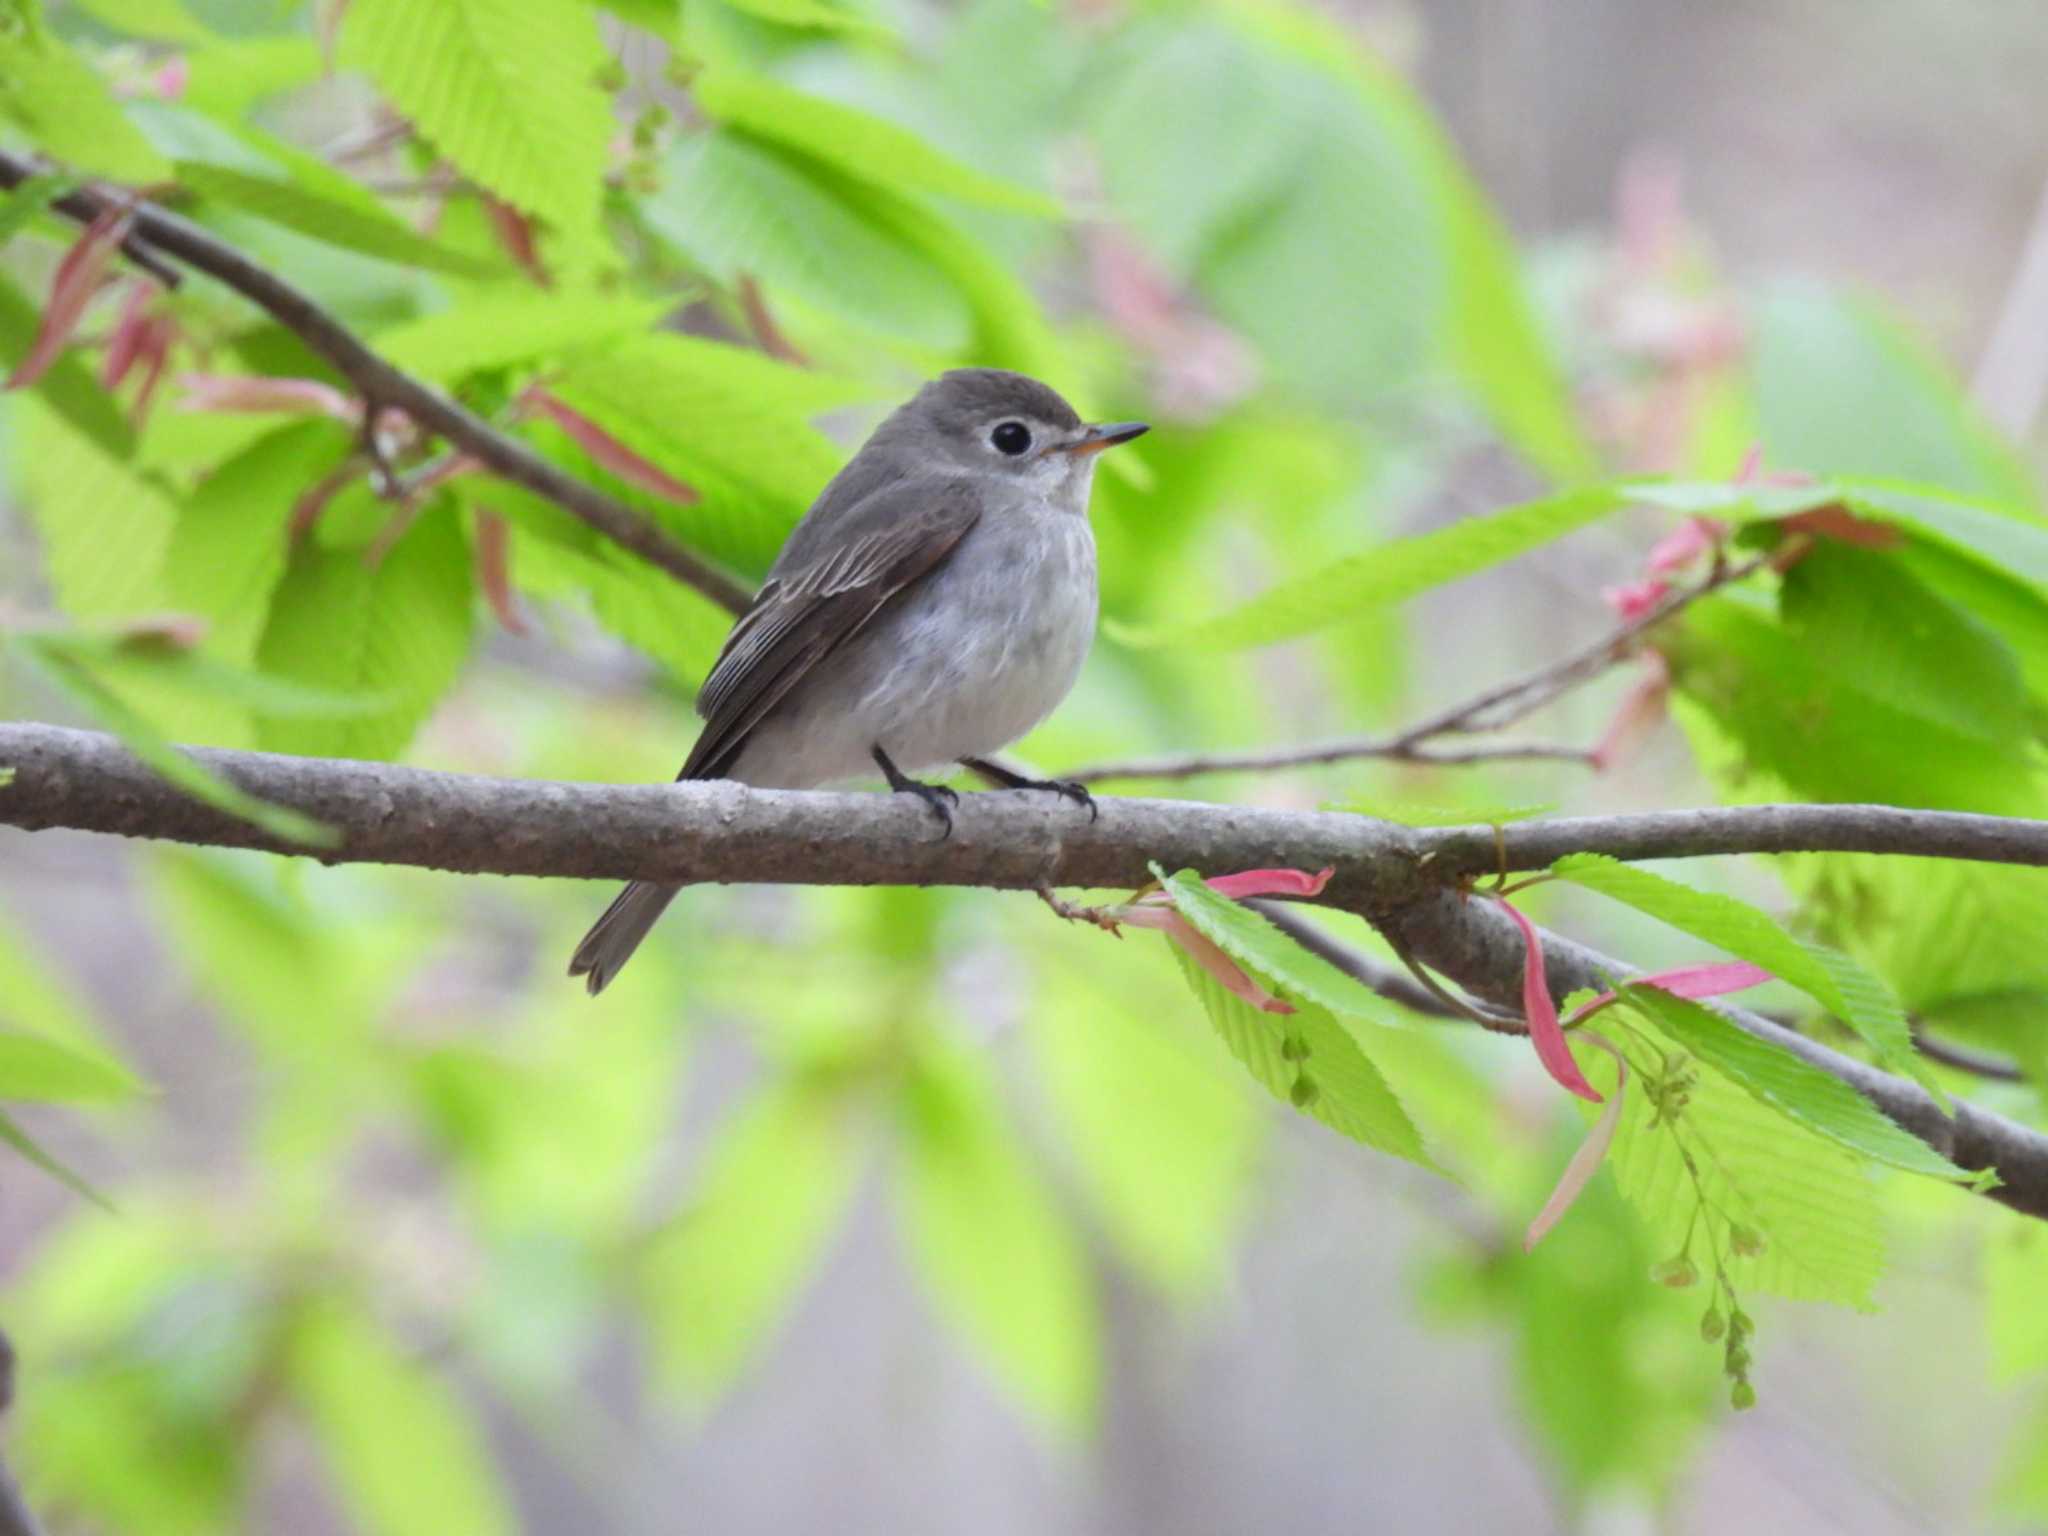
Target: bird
[934,605]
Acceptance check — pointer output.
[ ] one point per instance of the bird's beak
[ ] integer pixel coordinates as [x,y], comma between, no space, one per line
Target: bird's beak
[1095,439]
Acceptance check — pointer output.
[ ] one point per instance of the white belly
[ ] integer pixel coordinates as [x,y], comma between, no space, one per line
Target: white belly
[963,665]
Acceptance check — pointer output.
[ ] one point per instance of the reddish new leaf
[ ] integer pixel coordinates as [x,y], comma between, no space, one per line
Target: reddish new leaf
[607,450]
[1546,1033]
[71,290]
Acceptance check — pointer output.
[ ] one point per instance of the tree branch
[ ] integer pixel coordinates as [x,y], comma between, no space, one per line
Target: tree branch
[384,387]
[1494,709]
[1478,946]
[1405,880]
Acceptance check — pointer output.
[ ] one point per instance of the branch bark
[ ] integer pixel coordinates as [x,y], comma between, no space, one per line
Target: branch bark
[1405,880]
[383,387]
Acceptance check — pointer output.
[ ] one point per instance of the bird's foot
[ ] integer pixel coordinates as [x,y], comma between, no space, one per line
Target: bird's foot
[1066,789]
[939,799]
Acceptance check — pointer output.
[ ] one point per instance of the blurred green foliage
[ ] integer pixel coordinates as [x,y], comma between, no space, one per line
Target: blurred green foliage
[728,235]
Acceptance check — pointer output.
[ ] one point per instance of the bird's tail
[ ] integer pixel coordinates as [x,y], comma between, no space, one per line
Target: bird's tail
[614,936]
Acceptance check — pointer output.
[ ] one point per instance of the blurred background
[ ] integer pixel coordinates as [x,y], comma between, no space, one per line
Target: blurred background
[919,1211]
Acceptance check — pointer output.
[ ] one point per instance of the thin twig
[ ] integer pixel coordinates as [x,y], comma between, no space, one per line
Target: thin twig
[1977,1063]
[1492,710]
[1347,750]
[383,386]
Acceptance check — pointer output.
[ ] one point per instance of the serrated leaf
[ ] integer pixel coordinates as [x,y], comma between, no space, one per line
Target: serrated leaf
[1350,1094]
[400,631]
[408,1457]
[855,143]
[349,225]
[732,423]
[506,89]
[673,624]
[230,75]
[738,208]
[1813,1203]
[1391,573]
[1788,714]
[64,106]
[36,1068]
[228,547]
[67,387]
[1829,977]
[2005,537]
[1886,634]
[721,1273]
[1252,941]
[1000,1261]
[1802,1093]
[496,329]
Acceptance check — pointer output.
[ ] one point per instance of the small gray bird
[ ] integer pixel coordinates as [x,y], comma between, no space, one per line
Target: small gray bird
[934,604]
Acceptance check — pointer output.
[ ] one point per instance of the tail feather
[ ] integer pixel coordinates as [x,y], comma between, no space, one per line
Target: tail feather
[614,936]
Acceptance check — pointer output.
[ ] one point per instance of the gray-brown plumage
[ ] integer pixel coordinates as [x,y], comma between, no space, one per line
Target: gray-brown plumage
[934,604]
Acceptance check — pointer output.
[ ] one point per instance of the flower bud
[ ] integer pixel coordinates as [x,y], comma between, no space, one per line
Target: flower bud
[1712,1326]
[1294,1048]
[1742,1395]
[1677,1273]
[1304,1093]
[1746,1241]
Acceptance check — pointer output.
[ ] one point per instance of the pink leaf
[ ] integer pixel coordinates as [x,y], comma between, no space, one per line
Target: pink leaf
[170,78]
[131,331]
[1640,712]
[494,570]
[1198,948]
[1838,522]
[1270,882]
[257,393]
[1688,981]
[1592,1152]
[71,290]
[608,450]
[515,233]
[1693,538]
[1545,1032]
[1636,598]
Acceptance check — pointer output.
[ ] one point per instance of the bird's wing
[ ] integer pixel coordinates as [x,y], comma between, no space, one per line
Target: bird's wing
[891,540]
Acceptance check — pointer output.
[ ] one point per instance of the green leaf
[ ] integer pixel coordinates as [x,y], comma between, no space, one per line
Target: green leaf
[737,207]
[1786,712]
[496,329]
[732,423]
[407,1455]
[2002,536]
[230,76]
[1814,1203]
[1391,573]
[720,1275]
[34,996]
[1802,1093]
[66,671]
[37,1068]
[1350,1095]
[69,389]
[26,202]
[14,1136]
[1842,388]
[1889,636]
[64,106]
[400,632]
[1163,1141]
[866,148]
[506,89]
[1829,977]
[672,624]
[1000,1262]
[813,15]
[227,550]
[1248,938]
[166,21]
[350,225]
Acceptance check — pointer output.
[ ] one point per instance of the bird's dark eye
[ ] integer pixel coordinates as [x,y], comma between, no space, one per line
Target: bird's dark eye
[1011,437]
